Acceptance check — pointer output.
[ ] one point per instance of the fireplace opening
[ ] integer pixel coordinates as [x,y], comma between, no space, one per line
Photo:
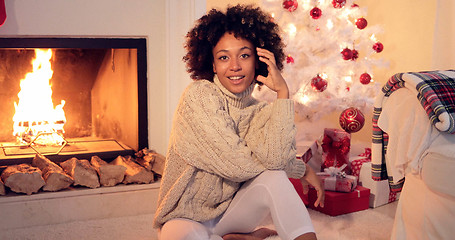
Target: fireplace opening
[99,83]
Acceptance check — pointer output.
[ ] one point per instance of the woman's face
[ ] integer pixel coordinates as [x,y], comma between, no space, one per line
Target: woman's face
[234,62]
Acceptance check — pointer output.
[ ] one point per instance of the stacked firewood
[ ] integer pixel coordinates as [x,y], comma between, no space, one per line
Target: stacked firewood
[45,175]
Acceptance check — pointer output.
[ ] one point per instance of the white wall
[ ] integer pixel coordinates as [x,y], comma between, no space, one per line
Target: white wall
[444,36]
[162,22]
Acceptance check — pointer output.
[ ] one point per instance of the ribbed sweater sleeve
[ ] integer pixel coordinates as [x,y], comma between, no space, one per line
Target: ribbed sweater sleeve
[205,135]
[271,137]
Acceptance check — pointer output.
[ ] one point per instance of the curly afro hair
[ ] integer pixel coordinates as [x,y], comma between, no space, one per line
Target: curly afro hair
[244,21]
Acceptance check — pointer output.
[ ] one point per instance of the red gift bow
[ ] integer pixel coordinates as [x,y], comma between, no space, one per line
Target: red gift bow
[335,150]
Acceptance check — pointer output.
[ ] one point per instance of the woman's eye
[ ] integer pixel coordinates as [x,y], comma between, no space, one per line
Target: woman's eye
[245,55]
[223,58]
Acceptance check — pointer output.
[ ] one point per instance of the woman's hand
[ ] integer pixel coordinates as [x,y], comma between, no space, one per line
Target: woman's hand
[312,179]
[273,80]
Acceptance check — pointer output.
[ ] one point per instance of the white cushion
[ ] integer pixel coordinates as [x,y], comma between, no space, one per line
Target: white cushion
[438,173]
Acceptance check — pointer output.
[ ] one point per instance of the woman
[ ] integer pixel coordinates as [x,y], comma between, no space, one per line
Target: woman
[230,156]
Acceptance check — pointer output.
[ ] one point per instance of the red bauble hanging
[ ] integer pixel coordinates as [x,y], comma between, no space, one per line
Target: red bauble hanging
[347,54]
[290,5]
[361,23]
[289,59]
[365,78]
[316,13]
[352,120]
[355,55]
[338,3]
[319,84]
[378,47]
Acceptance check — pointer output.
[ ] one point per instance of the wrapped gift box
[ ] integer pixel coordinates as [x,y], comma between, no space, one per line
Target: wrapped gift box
[345,183]
[338,203]
[311,153]
[336,145]
[299,189]
[380,190]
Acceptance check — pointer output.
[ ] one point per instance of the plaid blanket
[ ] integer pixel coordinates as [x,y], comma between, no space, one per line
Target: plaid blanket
[436,93]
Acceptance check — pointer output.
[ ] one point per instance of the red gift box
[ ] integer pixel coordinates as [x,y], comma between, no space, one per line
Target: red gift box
[299,189]
[338,203]
[336,145]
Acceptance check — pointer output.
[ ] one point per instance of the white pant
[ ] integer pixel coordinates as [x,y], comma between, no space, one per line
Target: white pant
[269,193]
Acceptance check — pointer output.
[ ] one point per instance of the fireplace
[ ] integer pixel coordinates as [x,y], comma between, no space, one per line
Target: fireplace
[103,83]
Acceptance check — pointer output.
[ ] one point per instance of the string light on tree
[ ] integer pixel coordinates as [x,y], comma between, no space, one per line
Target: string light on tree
[328,42]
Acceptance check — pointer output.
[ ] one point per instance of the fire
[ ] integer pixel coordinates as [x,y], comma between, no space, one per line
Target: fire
[36,120]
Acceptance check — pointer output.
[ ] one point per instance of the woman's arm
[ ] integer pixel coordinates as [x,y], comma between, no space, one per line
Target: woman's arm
[204,135]
[312,179]
[271,135]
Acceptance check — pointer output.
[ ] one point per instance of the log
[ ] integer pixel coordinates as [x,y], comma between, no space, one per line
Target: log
[82,172]
[54,176]
[110,175]
[134,172]
[23,178]
[2,187]
[151,160]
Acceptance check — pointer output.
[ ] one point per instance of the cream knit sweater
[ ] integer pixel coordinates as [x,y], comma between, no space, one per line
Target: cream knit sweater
[218,141]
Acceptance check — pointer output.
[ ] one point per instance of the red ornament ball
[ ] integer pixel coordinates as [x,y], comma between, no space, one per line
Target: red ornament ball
[352,120]
[338,3]
[289,59]
[355,55]
[347,54]
[290,5]
[316,13]
[361,23]
[378,47]
[365,78]
[319,84]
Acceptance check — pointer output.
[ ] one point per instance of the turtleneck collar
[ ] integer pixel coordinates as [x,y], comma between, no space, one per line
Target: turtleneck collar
[239,100]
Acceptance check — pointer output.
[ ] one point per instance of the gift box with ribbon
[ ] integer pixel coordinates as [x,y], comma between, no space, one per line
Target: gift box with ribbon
[335,179]
[337,203]
[310,152]
[336,145]
[380,193]
[380,190]
[358,161]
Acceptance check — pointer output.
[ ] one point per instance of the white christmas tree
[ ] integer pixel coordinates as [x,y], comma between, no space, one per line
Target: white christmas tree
[331,52]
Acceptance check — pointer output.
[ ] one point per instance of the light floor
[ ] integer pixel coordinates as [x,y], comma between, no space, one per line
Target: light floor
[371,224]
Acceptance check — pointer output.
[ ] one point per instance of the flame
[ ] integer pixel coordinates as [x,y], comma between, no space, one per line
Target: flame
[36,120]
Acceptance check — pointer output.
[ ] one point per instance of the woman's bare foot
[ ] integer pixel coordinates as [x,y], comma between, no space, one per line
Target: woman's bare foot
[258,234]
